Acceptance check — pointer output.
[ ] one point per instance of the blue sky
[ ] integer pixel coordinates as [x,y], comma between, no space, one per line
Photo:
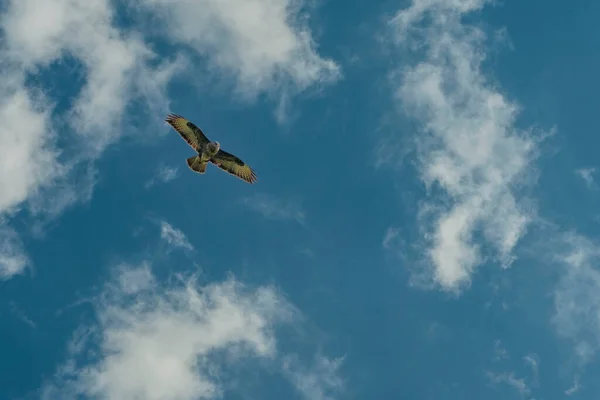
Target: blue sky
[425,224]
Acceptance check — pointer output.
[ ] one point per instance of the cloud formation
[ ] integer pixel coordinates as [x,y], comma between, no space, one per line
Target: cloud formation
[13,259]
[576,297]
[471,156]
[178,340]
[587,174]
[174,236]
[264,44]
[114,71]
[164,174]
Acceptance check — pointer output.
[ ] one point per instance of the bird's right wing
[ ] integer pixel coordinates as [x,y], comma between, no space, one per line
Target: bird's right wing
[233,165]
[188,131]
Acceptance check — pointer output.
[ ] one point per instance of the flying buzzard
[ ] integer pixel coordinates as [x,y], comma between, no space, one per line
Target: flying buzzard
[208,151]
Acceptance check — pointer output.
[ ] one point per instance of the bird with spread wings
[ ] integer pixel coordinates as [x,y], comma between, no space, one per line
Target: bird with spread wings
[209,151]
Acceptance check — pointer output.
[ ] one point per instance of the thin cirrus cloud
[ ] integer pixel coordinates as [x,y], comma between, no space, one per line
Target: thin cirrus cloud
[117,68]
[469,148]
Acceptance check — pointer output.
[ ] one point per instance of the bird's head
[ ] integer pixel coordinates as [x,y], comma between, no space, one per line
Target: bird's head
[213,147]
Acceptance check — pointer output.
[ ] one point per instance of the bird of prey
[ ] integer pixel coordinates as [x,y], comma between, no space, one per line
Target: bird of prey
[209,151]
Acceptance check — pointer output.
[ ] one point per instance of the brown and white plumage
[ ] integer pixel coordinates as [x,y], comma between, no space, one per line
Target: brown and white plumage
[230,163]
[209,151]
[188,131]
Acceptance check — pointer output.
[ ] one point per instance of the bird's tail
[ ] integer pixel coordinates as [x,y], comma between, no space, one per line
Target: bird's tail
[196,164]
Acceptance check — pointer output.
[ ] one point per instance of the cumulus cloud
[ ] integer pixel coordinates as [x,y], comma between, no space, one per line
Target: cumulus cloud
[116,63]
[115,69]
[173,341]
[275,208]
[264,44]
[470,154]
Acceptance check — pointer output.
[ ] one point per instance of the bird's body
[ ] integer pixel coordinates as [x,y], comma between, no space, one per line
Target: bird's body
[208,151]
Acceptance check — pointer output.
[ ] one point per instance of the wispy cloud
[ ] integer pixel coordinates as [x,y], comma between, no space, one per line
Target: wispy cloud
[500,352]
[134,279]
[533,361]
[177,340]
[577,298]
[319,382]
[587,174]
[526,385]
[163,174]
[275,208]
[20,314]
[391,236]
[574,388]
[174,236]
[13,259]
[510,379]
[470,154]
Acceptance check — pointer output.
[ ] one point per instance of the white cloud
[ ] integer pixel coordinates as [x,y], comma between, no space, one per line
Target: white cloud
[164,174]
[320,382]
[390,237]
[576,298]
[13,260]
[500,352]
[116,64]
[175,341]
[264,44]
[275,208]
[27,153]
[115,70]
[132,280]
[525,385]
[468,146]
[587,174]
[574,388]
[20,314]
[509,378]
[533,361]
[174,236]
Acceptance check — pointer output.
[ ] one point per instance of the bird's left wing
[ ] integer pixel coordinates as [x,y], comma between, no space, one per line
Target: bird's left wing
[230,163]
[188,131]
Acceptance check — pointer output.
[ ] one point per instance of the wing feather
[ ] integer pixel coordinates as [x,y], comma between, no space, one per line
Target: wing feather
[233,165]
[188,131]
